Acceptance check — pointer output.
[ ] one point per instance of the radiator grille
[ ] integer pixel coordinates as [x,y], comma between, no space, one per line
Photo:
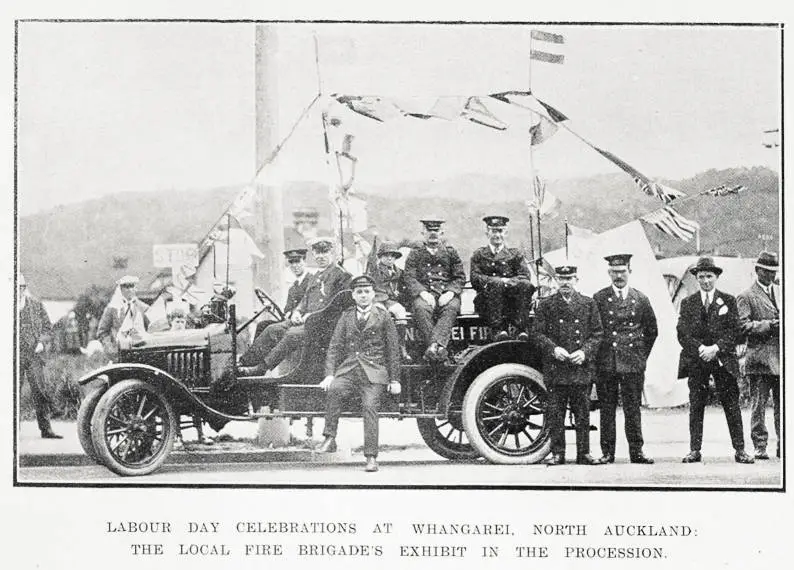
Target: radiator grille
[189,366]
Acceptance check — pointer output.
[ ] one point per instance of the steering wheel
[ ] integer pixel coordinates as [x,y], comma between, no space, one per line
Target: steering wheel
[269,304]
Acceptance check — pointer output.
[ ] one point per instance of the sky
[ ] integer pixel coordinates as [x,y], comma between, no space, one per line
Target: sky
[114,107]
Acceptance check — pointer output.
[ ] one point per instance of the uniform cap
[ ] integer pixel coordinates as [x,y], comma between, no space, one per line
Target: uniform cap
[618,259]
[127,280]
[496,221]
[322,244]
[295,254]
[432,224]
[389,249]
[565,271]
[362,281]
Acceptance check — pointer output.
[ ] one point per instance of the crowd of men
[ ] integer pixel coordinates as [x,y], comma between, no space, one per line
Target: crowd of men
[604,340]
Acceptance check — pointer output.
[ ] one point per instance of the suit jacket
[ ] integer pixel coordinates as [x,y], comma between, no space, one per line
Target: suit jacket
[34,327]
[756,310]
[487,268]
[572,326]
[374,347]
[295,293]
[110,323]
[437,273]
[720,326]
[630,331]
[322,287]
[389,286]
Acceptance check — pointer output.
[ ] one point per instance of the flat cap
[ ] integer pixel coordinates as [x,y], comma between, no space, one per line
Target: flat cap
[128,280]
[294,254]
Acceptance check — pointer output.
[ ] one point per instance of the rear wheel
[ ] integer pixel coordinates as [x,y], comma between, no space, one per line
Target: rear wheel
[84,415]
[447,438]
[133,428]
[504,415]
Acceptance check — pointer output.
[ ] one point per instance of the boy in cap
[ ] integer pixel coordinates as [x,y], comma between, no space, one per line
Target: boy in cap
[567,331]
[500,276]
[296,260]
[363,358]
[434,278]
[124,319]
[390,288]
[759,316]
[630,332]
[708,331]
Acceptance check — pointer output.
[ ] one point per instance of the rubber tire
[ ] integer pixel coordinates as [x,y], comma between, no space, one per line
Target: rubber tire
[438,443]
[84,415]
[98,428]
[480,385]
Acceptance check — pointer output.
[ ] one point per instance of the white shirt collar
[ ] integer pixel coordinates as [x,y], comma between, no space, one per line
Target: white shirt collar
[765,288]
[624,291]
[704,295]
[495,250]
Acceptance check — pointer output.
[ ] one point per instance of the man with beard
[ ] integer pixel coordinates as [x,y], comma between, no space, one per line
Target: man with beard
[435,278]
[567,331]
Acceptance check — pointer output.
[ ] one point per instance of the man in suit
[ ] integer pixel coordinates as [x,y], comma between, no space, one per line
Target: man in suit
[759,316]
[34,330]
[500,276]
[363,358]
[567,331]
[708,330]
[123,322]
[280,339]
[296,260]
[434,278]
[629,334]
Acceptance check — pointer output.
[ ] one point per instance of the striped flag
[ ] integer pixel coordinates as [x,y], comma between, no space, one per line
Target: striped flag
[724,190]
[672,223]
[654,189]
[546,56]
[542,131]
[476,111]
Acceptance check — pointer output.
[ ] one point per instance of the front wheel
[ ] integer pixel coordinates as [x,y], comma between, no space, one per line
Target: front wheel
[133,428]
[504,415]
[447,438]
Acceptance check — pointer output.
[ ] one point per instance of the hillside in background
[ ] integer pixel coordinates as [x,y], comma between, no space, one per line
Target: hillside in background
[64,250]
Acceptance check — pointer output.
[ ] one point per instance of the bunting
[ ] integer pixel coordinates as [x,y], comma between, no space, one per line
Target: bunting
[724,190]
[672,223]
[476,111]
[542,131]
[653,189]
[543,201]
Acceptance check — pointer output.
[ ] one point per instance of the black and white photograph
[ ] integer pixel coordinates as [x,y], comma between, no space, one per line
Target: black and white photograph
[525,258]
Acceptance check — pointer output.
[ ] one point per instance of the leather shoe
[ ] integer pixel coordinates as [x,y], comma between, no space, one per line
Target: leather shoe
[522,336]
[762,454]
[556,459]
[587,460]
[372,465]
[247,371]
[692,457]
[641,458]
[742,457]
[50,435]
[607,458]
[500,336]
[328,445]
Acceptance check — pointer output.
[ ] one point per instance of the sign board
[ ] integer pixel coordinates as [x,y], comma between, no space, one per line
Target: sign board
[175,254]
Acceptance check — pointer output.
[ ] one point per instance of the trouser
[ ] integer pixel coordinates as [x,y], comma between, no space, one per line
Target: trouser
[728,391]
[760,386]
[343,387]
[578,397]
[440,330]
[630,387]
[33,371]
[274,344]
[503,306]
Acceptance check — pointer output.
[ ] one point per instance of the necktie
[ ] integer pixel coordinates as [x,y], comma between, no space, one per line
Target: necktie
[772,296]
[620,295]
[706,302]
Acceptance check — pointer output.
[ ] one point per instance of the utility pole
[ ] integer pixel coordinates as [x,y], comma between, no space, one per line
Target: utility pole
[269,230]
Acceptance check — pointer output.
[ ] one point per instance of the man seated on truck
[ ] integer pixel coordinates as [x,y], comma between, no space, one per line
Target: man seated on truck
[363,358]
[280,339]
[390,288]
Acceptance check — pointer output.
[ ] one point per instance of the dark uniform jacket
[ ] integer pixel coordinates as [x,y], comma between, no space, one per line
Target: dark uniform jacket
[389,284]
[572,326]
[756,310]
[487,268]
[374,347]
[296,292]
[720,326]
[34,327]
[435,273]
[322,287]
[629,331]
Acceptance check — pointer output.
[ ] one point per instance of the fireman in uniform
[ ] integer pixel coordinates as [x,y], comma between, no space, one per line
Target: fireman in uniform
[629,334]
[567,331]
[434,277]
[500,276]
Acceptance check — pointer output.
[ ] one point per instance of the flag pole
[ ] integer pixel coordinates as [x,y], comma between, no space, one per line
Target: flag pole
[228,245]
[532,179]
[566,240]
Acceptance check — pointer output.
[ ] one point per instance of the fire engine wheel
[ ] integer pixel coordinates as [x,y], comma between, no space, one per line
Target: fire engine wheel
[84,415]
[504,415]
[133,428]
[447,438]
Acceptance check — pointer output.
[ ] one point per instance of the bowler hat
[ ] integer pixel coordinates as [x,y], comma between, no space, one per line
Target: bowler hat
[768,260]
[387,248]
[705,264]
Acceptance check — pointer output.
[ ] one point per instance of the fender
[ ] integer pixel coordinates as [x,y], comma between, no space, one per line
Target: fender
[479,360]
[173,388]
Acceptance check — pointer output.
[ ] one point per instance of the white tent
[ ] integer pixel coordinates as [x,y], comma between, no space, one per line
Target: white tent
[662,388]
